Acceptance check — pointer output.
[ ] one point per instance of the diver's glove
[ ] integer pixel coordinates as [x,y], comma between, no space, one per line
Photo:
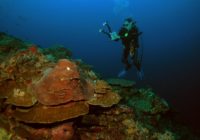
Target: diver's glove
[100,30]
[122,73]
[114,36]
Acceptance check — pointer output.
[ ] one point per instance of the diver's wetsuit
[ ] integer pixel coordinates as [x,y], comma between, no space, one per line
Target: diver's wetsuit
[130,40]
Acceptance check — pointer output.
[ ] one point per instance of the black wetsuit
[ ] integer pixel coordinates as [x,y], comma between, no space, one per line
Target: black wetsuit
[130,38]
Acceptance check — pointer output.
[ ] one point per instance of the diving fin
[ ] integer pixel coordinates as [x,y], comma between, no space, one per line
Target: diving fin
[122,73]
[140,74]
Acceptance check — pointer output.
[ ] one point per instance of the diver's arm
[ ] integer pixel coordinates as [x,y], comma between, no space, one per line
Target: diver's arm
[104,32]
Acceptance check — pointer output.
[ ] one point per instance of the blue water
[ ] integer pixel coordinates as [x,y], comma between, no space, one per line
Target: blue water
[171,39]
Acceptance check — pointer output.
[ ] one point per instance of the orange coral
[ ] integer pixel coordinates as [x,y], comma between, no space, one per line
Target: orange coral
[100,93]
[101,86]
[63,132]
[50,114]
[59,85]
[33,49]
[105,100]
[21,97]
[16,94]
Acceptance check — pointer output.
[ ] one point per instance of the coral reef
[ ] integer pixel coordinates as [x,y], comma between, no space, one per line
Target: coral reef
[56,52]
[35,90]
[60,84]
[103,95]
[46,95]
[121,82]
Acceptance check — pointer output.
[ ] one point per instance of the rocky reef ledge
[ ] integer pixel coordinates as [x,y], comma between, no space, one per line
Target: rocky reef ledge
[47,95]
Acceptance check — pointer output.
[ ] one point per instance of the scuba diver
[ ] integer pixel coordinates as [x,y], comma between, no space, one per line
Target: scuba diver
[129,35]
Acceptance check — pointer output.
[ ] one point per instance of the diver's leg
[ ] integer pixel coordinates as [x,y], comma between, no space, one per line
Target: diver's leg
[137,63]
[136,60]
[125,61]
[140,74]
[125,58]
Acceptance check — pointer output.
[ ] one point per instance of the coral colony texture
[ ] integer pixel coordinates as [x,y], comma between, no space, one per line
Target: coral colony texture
[47,95]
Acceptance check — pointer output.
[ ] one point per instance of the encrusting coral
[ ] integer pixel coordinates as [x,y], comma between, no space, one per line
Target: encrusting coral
[59,85]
